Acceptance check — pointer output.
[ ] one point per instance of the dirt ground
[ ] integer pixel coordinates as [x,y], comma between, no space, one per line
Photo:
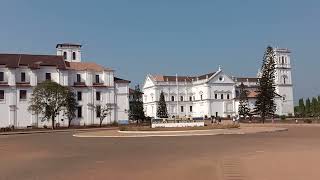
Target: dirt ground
[287,155]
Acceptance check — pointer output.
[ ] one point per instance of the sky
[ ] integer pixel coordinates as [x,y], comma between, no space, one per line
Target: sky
[140,37]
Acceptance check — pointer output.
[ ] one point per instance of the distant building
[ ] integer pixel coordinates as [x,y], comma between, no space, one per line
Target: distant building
[216,93]
[93,84]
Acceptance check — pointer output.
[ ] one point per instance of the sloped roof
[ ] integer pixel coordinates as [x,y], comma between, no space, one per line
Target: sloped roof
[86,66]
[32,61]
[119,80]
[165,78]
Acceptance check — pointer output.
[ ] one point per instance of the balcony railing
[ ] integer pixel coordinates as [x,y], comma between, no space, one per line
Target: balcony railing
[79,84]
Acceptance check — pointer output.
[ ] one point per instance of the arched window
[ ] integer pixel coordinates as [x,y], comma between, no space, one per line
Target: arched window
[201,97]
[228,96]
[73,55]
[284,78]
[282,59]
[172,98]
[221,96]
[64,55]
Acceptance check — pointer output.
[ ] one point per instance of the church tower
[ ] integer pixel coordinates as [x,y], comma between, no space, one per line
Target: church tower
[70,52]
[283,81]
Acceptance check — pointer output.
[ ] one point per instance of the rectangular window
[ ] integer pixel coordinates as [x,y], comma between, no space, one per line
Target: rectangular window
[48,76]
[182,108]
[221,96]
[1,76]
[23,94]
[23,77]
[79,95]
[1,95]
[190,108]
[190,98]
[216,96]
[98,111]
[228,96]
[78,78]
[79,111]
[97,78]
[98,96]
[201,97]
[181,98]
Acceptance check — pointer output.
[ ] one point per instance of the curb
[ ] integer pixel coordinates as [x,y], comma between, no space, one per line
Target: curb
[55,131]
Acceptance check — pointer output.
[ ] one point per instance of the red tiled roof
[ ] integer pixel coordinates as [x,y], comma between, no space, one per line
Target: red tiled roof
[83,66]
[32,61]
[163,78]
[119,80]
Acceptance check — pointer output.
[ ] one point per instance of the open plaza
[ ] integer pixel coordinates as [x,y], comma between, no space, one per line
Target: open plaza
[271,151]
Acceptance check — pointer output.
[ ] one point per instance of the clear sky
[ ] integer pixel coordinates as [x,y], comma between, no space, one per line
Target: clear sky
[137,37]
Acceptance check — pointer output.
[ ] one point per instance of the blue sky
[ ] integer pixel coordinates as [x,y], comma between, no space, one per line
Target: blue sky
[170,36]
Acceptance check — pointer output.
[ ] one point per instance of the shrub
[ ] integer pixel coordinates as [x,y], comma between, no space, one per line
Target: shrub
[283,117]
[114,124]
[309,121]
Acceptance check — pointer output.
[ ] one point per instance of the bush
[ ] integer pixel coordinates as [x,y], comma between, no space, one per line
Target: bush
[283,117]
[114,124]
[309,121]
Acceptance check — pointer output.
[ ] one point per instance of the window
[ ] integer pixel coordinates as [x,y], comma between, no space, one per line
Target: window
[228,96]
[23,94]
[65,55]
[282,59]
[190,108]
[221,96]
[98,111]
[1,95]
[79,111]
[79,95]
[23,77]
[284,79]
[73,55]
[194,98]
[181,98]
[98,96]
[181,108]
[201,97]
[97,78]
[216,96]
[190,98]
[78,78]
[48,76]
[172,98]
[1,76]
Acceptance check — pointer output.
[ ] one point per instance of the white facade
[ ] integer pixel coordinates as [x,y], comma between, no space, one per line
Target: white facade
[215,94]
[89,80]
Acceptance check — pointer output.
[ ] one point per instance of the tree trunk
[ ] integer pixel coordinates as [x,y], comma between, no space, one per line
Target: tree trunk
[101,123]
[52,120]
[69,124]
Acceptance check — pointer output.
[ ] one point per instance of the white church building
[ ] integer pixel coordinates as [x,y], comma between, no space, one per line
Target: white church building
[216,93]
[93,84]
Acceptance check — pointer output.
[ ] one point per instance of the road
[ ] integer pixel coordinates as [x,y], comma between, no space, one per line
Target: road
[289,155]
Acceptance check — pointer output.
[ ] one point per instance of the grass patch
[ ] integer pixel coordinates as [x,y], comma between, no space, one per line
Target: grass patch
[146,128]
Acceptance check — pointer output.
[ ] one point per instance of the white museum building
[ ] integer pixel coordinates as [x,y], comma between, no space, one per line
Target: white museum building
[94,86]
[216,93]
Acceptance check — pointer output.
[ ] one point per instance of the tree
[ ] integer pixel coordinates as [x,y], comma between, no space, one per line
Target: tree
[136,111]
[162,107]
[71,106]
[314,107]
[308,107]
[265,105]
[244,109]
[301,108]
[103,112]
[48,99]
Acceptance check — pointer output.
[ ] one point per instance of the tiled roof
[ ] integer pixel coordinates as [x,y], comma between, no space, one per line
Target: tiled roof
[83,66]
[32,61]
[246,79]
[119,80]
[164,78]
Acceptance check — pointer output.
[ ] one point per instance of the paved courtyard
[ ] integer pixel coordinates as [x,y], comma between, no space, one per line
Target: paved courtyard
[285,155]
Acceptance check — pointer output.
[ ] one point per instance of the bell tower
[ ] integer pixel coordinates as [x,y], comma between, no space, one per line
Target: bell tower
[283,80]
[70,52]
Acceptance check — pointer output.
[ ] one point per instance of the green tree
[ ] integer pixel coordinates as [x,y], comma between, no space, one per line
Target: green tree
[162,107]
[48,99]
[308,107]
[136,111]
[71,106]
[314,107]
[301,108]
[265,105]
[103,111]
[244,109]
